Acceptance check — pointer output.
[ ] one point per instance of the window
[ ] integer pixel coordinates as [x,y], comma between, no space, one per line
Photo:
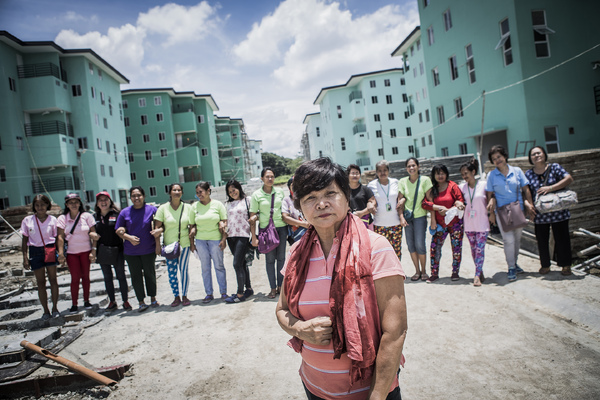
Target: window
[27,199]
[166,172]
[430,139]
[110,171]
[125,152]
[108,147]
[89,196]
[91,67]
[200,119]
[12,85]
[126,121]
[163,152]
[391,116]
[339,111]
[152,191]
[444,152]
[404,98]
[458,108]
[128,139]
[105,123]
[204,151]
[470,64]
[540,34]
[376,117]
[424,93]
[430,35]
[374,99]
[343,143]
[125,105]
[162,136]
[142,102]
[157,100]
[167,189]
[96,119]
[378,133]
[102,99]
[159,117]
[462,148]
[148,154]
[99,144]
[100,76]
[440,113]
[420,117]
[436,76]
[453,67]
[421,68]
[408,131]
[318,131]
[388,98]
[109,107]
[415,73]
[146,137]
[2,174]
[418,44]
[102,170]
[393,132]
[425,3]
[423,141]
[380,152]
[133,176]
[76,90]
[386,82]
[93,92]
[144,120]
[447,20]
[411,149]
[417,96]
[394,150]
[372,84]
[402,82]
[130,156]
[150,174]
[427,115]
[82,142]
[412,51]
[320,153]
[551,137]
[505,42]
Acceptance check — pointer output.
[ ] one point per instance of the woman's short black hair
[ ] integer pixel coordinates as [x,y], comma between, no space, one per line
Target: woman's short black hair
[204,185]
[498,149]
[141,189]
[42,198]
[543,151]
[351,167]
[316,175]
[471,165]
[236,185]
[438,168]
[264,171]
[172,185]
[409,159]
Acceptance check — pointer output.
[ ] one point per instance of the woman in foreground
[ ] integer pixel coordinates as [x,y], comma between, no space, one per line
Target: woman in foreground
[343,295]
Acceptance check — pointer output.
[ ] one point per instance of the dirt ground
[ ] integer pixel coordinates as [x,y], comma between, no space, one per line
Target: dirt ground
[537,338]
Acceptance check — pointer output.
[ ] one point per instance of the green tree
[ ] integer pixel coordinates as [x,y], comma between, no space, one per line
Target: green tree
[276,162]
[293,164]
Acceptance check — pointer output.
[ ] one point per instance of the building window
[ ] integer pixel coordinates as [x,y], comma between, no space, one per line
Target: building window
[110,171]
[436,76]
[420,117]
[133,176]
[82,142]
[391,116]
[417,96]
[404,98]
[343,143]
[102,170]
[440,113]
[470,63]
[339,111]
[430,139]
[105,121]
[551,137]
[100,76]
[394,150]
[388,99]
[150,174]
[423,141]
[167,189]
[376,117]
[162,136]
[130,156]
[372,84]
[144,120]
[108,147]
[163,152]
[427,115]
[320,153]
[412,51]
[204,151]
[447,20]
[125,104]
[402,82]
[386,82]
[425,3]
[411,149]
[128,139]
[540,34]
[91,67]
[142,102]
[505,42]
[159,117]
[146,137]
[3,174]
[102,99]
[96,119]
[166,172]
[89,196]
[125,152]
[148,154]
[453,67]
[415,73]
[99,144]
[418,44]
[152,191]
[12,85]
[27,199]
[424,93]
[126,121]
[458,108]
[157,100]
[462,148]
[76,89]
[318,131]
[421,68]
[200,119]
[430,35]
[444,152]
[378,133]
[380,152]
[408,131]
[393,132]
[374,99]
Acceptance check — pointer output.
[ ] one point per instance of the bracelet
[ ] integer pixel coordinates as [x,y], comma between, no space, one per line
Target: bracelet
[94,248]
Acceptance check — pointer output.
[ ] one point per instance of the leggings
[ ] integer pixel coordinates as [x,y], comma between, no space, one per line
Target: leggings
[437,241]
[180,263]
[394,235]
[79,267]
[477,241]
[238,247]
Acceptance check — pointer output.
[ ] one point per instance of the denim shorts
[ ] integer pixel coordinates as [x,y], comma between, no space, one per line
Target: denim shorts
[415,235]
[36,258]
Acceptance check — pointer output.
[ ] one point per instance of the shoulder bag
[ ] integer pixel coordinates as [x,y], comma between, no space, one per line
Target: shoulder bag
[173,250]
[268,238]
[409,215]
[561,200]
[510,215]
[50,250]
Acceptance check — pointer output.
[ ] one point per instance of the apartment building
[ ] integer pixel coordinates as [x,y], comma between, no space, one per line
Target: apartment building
[61,124]
[254,164]
[231,138]
[318,141]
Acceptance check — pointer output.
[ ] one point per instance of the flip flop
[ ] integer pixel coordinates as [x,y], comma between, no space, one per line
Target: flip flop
[415,277]
[424,277]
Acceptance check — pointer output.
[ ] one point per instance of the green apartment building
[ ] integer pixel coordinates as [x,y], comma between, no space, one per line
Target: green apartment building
[537,61]
[61,124]
[231,138]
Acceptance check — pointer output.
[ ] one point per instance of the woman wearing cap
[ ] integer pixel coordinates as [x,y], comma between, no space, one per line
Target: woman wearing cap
[134,226]
[39,231]
[106,214]
[74,227]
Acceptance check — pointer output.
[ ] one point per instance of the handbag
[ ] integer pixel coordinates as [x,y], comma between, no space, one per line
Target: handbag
[408,214]
[561,200]
[50,250]
[173,250]
[107,255]
[511,216]
[268,238]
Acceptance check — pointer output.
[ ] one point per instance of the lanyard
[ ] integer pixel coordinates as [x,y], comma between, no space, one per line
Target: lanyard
[387,195]
[474,190]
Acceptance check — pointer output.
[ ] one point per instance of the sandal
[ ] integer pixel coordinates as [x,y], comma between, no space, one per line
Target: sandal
[424,276]
[566,271]
[143,307]
[476,281]
[544,270]
[154,304]
[235,299]
[272,294]
[415,277]
[208,299]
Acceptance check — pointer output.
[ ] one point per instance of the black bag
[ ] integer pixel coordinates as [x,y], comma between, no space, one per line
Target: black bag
[107,255]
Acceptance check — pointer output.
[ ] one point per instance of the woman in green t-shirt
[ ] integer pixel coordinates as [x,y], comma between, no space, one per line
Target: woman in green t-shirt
[210,232]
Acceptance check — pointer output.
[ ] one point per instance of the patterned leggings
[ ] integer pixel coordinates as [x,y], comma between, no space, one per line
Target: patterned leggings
[394,235]
[477,241]
[180,263]
[437,241]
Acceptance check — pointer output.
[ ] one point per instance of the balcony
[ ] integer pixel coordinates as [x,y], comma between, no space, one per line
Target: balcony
[189,156]
[362,162]
[52,184]
[42,69]
[222,128]
[357,94]
[359,128]
[184,122]
[52,150]
[361,140]
[49,128]
[183,108]
[224,140]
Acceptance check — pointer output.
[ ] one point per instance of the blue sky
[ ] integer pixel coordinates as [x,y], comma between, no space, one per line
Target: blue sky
[264,61]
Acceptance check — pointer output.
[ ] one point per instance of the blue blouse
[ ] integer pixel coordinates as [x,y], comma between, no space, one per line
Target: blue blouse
[556,174]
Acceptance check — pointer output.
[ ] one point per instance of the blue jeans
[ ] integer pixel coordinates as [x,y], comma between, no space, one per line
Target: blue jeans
[209,250]
[279,255]
[415,235]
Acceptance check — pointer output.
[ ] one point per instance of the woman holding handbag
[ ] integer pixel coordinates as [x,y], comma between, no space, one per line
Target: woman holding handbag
[266,202]
[109,249]
[547,178]
[511,197]
[174,219]
[209,227]
[411,192]
[39,236]
[74,226]
[238,238]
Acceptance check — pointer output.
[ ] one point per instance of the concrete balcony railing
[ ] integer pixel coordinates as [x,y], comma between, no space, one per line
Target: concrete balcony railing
[52,184]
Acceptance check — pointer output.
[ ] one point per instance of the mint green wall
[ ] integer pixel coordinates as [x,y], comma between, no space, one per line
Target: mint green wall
[207,137]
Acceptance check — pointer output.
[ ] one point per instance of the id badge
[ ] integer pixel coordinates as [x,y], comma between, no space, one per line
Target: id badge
[472,214]
[388,207]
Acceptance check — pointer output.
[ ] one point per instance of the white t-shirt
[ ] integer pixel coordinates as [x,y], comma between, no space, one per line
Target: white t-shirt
[387,197]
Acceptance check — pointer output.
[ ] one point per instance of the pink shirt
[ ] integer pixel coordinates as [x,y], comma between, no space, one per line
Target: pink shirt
[79,241]
[322,375]
[29,228]
[237,218]
[476,215]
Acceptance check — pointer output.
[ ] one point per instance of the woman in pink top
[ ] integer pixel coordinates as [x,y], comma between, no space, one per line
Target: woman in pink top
[343,294]
[477,225]
[39,231]
[74,227]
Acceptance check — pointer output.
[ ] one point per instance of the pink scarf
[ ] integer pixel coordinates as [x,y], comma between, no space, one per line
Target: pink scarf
[351,284]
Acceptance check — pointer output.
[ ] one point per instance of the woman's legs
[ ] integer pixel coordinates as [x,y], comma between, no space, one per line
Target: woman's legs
[53,286]
[149,274]
[120,272]
[204,255]
[477,241]
[456,238]
[108,281]
[172,265]
[562,243]
[209,250]
[542,236]
[394,235]
[184,262]
[512,244]
[40,278]
[137,276]
[238,247]
[437,242]
[80,271]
